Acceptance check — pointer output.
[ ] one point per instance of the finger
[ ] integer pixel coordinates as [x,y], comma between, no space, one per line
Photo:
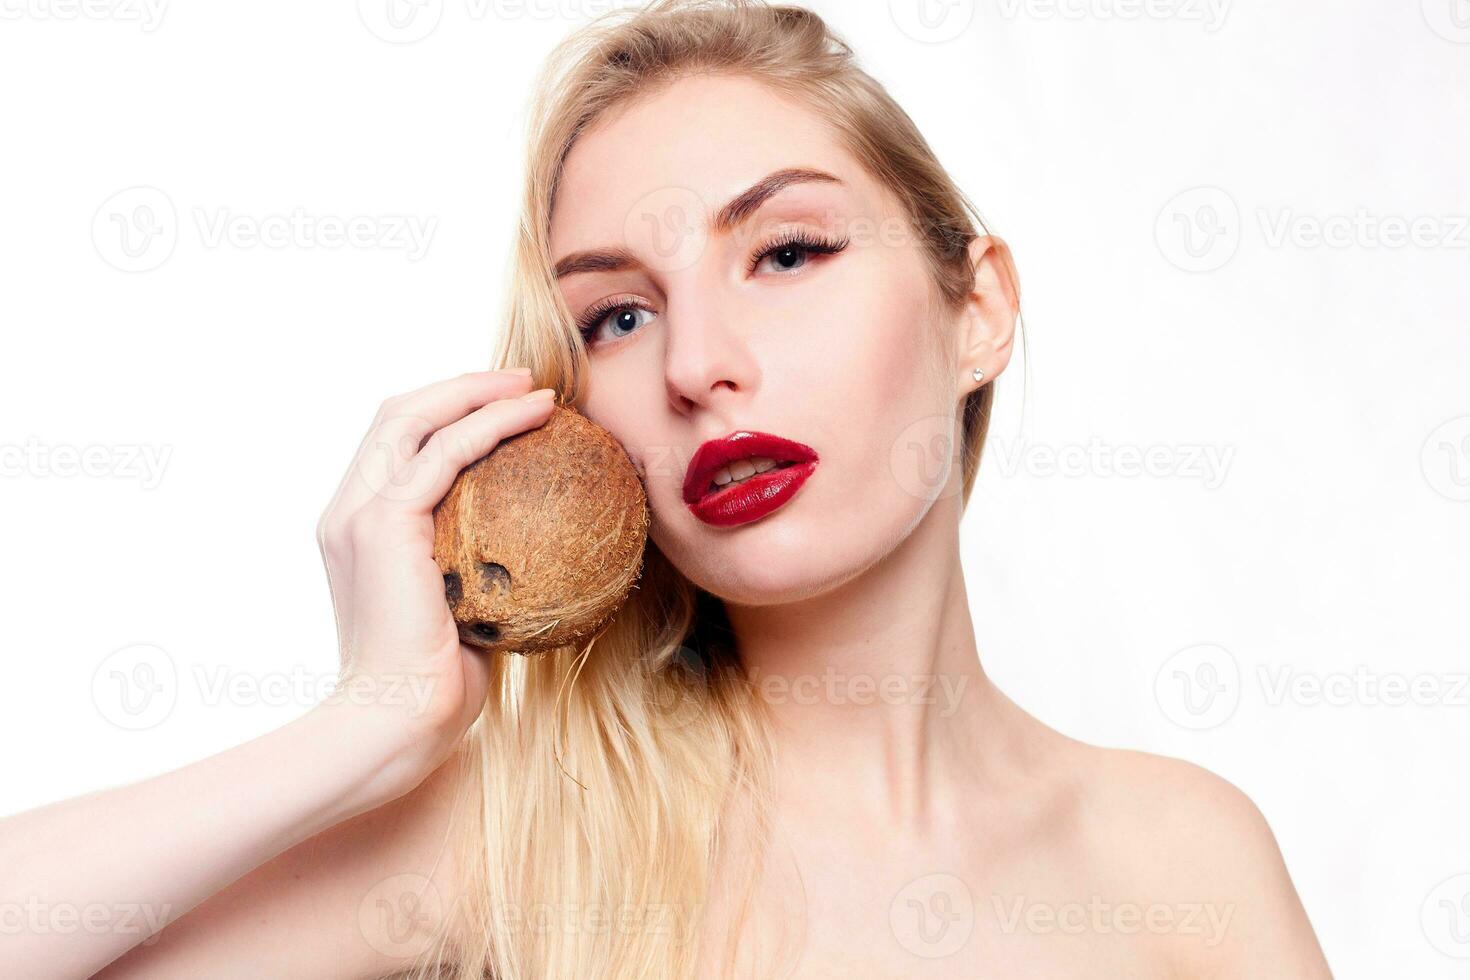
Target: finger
[476,668]
[442,402]
[452,448]
[383,466]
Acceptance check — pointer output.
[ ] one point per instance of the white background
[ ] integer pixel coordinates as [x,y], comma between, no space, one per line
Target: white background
[1328,382]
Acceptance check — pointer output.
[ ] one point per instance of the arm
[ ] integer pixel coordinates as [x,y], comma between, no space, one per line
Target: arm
[92,876]
[360,899]
[1210,858]
[86,880]
[1269,934]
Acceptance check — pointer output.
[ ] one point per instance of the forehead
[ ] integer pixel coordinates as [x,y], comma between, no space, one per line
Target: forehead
[713,136]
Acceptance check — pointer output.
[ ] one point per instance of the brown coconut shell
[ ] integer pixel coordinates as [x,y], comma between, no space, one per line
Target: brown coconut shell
[541,541]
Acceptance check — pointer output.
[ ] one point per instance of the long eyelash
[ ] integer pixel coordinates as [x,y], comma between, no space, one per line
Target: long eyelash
[595,314]
[816,244]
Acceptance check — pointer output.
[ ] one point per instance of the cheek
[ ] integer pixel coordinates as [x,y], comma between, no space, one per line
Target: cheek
[872,369]
[635,422]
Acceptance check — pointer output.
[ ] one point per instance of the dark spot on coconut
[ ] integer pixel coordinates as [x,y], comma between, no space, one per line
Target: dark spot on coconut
[493,576]
[487,632]
[453,589]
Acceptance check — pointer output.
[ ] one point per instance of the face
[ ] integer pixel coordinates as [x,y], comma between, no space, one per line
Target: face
[811,317]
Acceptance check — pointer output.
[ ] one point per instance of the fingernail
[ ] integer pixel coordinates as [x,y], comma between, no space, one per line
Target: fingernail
[524,371]
[538,394]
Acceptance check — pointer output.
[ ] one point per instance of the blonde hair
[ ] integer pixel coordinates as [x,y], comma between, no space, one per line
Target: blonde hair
[600,779]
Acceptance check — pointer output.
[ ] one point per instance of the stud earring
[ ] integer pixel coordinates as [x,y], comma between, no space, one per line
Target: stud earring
[979,375]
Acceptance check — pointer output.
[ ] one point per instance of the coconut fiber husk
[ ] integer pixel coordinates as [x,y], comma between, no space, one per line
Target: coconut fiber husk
[541,541]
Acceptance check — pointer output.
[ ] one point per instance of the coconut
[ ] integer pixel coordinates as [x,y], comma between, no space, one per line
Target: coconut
[541,541]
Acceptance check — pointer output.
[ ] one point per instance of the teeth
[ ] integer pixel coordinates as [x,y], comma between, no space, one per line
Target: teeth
[742,469]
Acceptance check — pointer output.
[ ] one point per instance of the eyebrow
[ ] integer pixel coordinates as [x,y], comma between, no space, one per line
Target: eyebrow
[739,209]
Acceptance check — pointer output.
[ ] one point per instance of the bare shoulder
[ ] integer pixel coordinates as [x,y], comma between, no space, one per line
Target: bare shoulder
[360,899]
[1198,855]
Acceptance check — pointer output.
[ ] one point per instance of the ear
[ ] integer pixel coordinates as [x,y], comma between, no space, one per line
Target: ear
[988,323]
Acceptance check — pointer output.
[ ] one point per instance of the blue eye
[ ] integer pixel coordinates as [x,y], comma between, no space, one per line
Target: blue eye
[622,315]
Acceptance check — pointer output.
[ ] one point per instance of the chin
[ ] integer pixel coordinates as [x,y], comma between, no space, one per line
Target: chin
[771,584]
[767,562]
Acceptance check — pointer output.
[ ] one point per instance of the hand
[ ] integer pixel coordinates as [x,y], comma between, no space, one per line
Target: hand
[404,670]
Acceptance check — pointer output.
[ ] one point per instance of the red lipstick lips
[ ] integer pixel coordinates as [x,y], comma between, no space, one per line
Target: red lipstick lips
[754,497]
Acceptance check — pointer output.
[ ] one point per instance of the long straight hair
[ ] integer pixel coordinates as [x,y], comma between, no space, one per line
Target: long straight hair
[601,779]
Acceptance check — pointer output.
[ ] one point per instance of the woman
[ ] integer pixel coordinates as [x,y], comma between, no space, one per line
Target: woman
[783,757]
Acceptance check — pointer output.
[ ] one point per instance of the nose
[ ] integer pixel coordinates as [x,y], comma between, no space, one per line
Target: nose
[707,355]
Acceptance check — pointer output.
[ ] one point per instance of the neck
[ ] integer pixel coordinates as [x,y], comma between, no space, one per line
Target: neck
[875,686]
